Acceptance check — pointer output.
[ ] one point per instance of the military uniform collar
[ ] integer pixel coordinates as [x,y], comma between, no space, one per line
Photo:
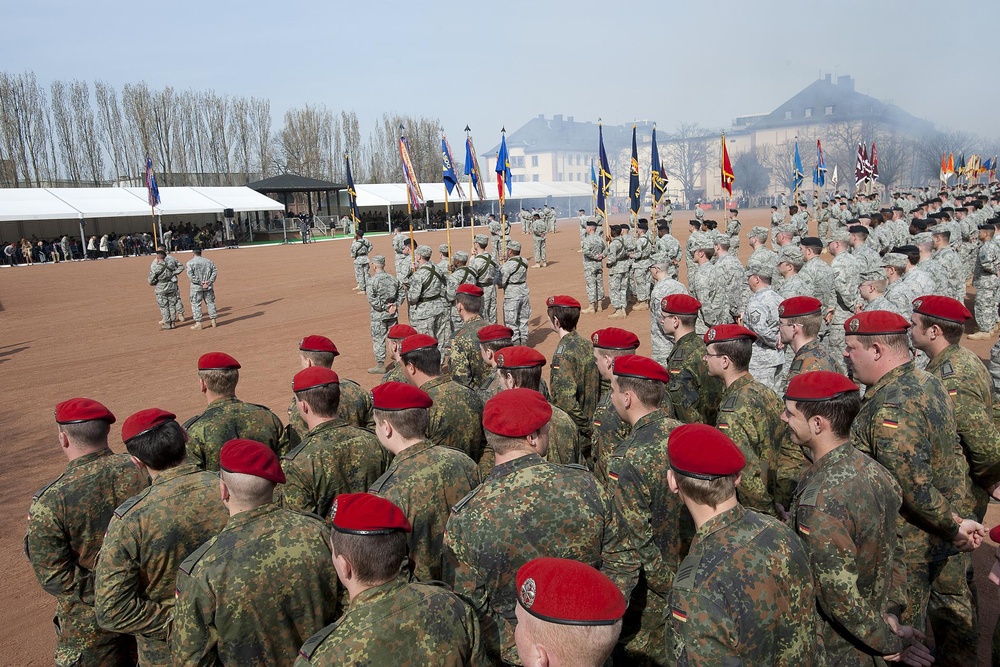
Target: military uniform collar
[88,458]
[376,593]
[325,426]
[686,337]
[413,450]
[225,399]
[175,472]
[739,383]
[833,457]
[655,416]
[249,516]
[947,354]
[718,522]
[520,463]
[434,382]
[891,376]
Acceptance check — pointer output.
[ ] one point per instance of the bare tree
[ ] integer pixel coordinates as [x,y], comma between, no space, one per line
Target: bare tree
[929,148]
[260,118]
[685,156]
[92,168]
[65,129]
[754,177]
[112,129]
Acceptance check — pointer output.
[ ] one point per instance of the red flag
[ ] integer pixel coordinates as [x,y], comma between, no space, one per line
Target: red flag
[728,178]
[873,165]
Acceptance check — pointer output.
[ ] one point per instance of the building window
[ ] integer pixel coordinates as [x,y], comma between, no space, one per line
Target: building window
[519,161]
[534,160]
[534,178]
[809,113]
[829,110]
[788,115]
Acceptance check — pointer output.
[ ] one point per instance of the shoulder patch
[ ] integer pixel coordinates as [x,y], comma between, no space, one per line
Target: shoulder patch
[376,487]
[188,565]
[560,348]
[191,421]
[947,370]
[891,398]
[576,466]
[808,498]
[729,404]
[295,452]
[258,405]
[123,509]
[687,572]
[309,648]
[465,501]
[45,488]
[796,366]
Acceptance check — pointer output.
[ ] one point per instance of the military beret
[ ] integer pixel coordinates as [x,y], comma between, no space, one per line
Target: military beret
[876,323]
[818,386]
[516,413]
[568,592]
[367,514]
[391,396]
[907,249]
[443,249]
[774,208]
[143,422]
[613,338]
[481,239]
[894,260]
[79,410]
[811,242]
[400,331]
[562,300]
[791,254]
[799,306]
[662,224]
[859,229]
[460,256]
[643,224]
[424,251]
[897,208]
[314,376]
[418,341]
[470,289]
[680,304]
[987,227]
[721,333]
[711,224]
[217,361]
[942,307]
[249,457]
[318,344]
[644,368]
[995,534]
[615,229]
[758,232]
[514,245]
[494,332]
[591,222]
[377,259]
[840,235]
[519,356]
[734,210]
[703,452]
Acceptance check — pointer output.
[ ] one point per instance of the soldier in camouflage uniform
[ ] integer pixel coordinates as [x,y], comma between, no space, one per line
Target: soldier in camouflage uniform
[513,280]
[869,261]
[702,283]
[694,394]
[551,218]
[761,317]
[360,248]
[400,242]
[663,286]
[493,225]
[696,239]
[462,275]
[873,295]
[730,281]
[492,339]
[800,221]
[986,280]
[820,279]
[151,533]
[790,261]
[165,288]
[847,280]
[176,268]
[394,371]
[202,274]
[462,357]
[576,385]
[539,228]
[594,252]
[798,325]
[668,246]
[226,416]
[640,266]
[733,229]
[898,292]
[823,217]
[444,264]
[67,521]
[256,592]
[389,619]
[608,429]
[384,299]
[743,594]
[484,268]
[619,270]
[761,255]
[949,259]
[426,296]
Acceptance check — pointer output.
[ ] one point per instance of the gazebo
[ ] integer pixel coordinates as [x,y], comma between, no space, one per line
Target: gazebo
[288,185]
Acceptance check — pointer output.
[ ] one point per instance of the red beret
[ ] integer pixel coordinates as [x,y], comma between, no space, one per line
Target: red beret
[644,368]
[680,304]
[516,413]
[875,323]
[818,386]
[144,421]
[399,396]
[77,410]
[568,592]
[314,376]
[942,307]
[562,300]
[613,338]
[703,452]
[217,361]
[318,344]
[469,288]
[249,457]
[721,333]
[418,342]
[798,306]
[995,534]
[519,356]
[367,514]
[494,332]
[400,331]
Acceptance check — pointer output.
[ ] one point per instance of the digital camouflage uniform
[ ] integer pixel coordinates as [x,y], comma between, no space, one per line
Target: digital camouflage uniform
[150,535]
[399,243]
[986,280]
[640,267]
[594,251]
[847,279]
[456,417]
[669,245]
[619,271]
[484,268]
[176,305]
[733,228]
[952,264]
[513,280]
[165,289]
[714,300]
[252,595]
[695,239]
[662,344]
[359,253]
[823,222]
[694,394]
[820,279]
[227,419]
[464,360]
[761,317]
[730,291]
[539,228]
[575,382]
[813,356]
[66,525]
[428,305]
[201,271]
[355,409]
[383,290]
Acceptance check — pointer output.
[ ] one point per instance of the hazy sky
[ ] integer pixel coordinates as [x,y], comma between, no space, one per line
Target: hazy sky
[489,64]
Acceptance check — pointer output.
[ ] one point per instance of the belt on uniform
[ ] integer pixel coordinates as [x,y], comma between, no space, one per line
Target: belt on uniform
[513,283]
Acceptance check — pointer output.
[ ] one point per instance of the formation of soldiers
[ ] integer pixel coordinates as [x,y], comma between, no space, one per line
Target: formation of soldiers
[779,482]
[202,273]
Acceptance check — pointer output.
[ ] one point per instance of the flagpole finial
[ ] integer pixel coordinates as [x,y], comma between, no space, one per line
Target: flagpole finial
[401,128]
[503,130]
[467,129]
[598,120]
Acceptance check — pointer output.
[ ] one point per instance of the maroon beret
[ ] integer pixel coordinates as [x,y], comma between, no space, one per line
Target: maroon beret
[703,452]
[418,341]
[399,396]
[644,368]
[318,344]
[367,514]
[469,288]
[818,386]
[798,306]
[568,592]
[721,333]
[562,300]
[77,410]
[995,534]
[314,376]
[942,307]
[249,457]
[494,332]
[614,338]
[875,323]
[680,304]
[400,331]
[519,356]
[516,413]
[217,361]
[144,421]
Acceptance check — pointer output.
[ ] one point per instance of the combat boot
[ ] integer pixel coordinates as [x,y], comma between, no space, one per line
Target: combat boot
[535,266]
[167,326]
[179,318]
[197,325]
[618,314]
[981,335]
[642,305]
[214,323]
[376,370]
[589,310]
[544,264]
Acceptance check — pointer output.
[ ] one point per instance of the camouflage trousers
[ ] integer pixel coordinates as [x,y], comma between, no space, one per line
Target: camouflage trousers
[618,289]
[836,342]
[380,331]
[197,294]
[437,324]
[824,229]
[967,252]
[489,311]
[81,642]
[595,284]
[769,375]
[169,303]
[986,305]
[643,282]
[540,250]
[401,262]
[938,594]
[361,275]
[516,313]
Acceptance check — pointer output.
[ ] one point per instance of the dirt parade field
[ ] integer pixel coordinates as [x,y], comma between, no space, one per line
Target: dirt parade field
[90,329]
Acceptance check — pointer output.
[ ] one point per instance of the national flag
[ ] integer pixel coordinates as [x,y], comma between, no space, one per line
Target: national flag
[861,166]
[448,168]
[352,193]
[633,177]
[728,177]
[873,166]
[972,168]
[797,173]
[604,174]
[415,196]
[503,167]
[819,176]
[472,168]
[657,172]
[152,191]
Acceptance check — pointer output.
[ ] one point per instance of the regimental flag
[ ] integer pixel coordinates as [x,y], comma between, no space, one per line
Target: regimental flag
[593,177]
[860,166]
[503,167]
[633,177]
[834,179]
[604,174]
[972,169]
[152,191]
[415,196]
[991,168]
[472,168]
[873,166]
[961,166]
[944,167]
[658,174]
[728,177]
[819,176]
[352,193]
[951,165]
[448,168]
[798,174]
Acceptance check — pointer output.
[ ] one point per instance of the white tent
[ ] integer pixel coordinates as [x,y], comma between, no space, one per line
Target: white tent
[177,201]
[100,202]
[240,199]
[33,204]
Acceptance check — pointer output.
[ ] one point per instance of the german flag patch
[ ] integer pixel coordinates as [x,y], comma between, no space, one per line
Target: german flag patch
[613,475]
[806,530]
[953,392]
[890,423]
[723,426]
[679,615]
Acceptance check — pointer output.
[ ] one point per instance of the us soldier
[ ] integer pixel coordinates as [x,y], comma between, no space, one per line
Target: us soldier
[986,280]
[152,532]
[761,255]
[730,281]
[733,227]
[424,481]
[495,232]
[513,280]
[790,261]
[899,293]
[663,286]
[426,296]
[702,284]
[253,594]
[176,268]
[799,220]
[823,218]
[333,457]
[539,228]
[847,281]
[761,317]
[202,274]
[226,416]
[619,269]
[462,275]
[444,264]
[550,218]
[576,385]
[384,299]
[640,266]
[916,277]
[161,277]
[463,359]
[396,335]
[484,268]
[594,252]
[388,617]
[869,262]
[583,227]
[696,239]
[693,393]
[820,279]
[399,244]
[359,253]
[949,259]
[873,294]
[744,593]
[609,429]
[798,326]
[66,526]
[668,246]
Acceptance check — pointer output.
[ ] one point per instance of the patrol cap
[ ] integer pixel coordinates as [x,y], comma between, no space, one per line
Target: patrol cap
[516,413]
[840,234]
[811,242]
[314,376]
[443,249]
[481,239]
[703,452]
[758,232]
[859,229]
[367,514]
[144,421]
[494,332]
[791,254]
[706,242]
[942,307]
[460,256]
[876,323]
[817,386]
[721,333]
[680,304]
[318,344]
[613,338]
[568,592]
[249,457]
[418,341]
[392,396]
[514,245]
[643,368]
[519,356]
[562,300]
[761,269]
[79,410]
[217,361]
[424,251]
[377,259]
[400,331]
[799,306]
[922,238]
[894,260]
[470,289]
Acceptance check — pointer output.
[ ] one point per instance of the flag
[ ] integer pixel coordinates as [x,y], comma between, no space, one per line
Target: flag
[728,177]
[873,167]
[834,179]
[951,165]
[819,176]
[448,168]
[972,168]
[593,177]
[472,167]
[352,193]
[944,167]
[415,196]
[658,174]
[604,175]
[152,191]
[861,166]
[797,174]
[503,167]
[633,177]
[961,166]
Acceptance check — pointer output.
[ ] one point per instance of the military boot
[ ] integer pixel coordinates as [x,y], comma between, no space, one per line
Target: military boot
[197,325]
[214,323]
[589,310]
[642,305]
[618,314]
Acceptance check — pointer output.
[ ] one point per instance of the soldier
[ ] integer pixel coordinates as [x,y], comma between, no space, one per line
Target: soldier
[444,264]
[550,218]
[847,280]
[333,457]
[396,335]
[730,281]
[619,269]
[668,246]
[800,221]
[424,480]
[165,288]
[873,294]
[176,268]
[426,296]
[790,261]
[949,259]
[359,253]
[899,293]
[869,262]
[733,228]
[608,428]
[576,385]
[567,612]
[526,508]
[695,239]
[384,299]
[820,279]
[66,526]
[594,251]
[761,317]
[151,533]
[462,354]
[513,280]
[986,280]
[920,281]
[389,617]
[761,255]
[253,594]
[226,416]
[640,266]
[924,242]
[202,274]
[462,275]
[694,394]
[798,326]
[823,217]
[484,268]
[402,257]
[702,284]
[744,593]
[845,512]
[495,232]
[663,286]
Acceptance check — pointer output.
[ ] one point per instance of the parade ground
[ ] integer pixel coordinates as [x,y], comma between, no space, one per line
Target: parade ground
[90,329]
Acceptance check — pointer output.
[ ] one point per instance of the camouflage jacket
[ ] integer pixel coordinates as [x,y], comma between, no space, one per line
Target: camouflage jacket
[426,481]
[383,291]
[464,360]
[575,382]
[694,393]
[161,277]
[608,432]
[252,595]
[226,419]
[355,409]
[456,417]
[594,250]
[821,279]
[564,439]
[394,373]
[847,278]
[813,356]
[659,341]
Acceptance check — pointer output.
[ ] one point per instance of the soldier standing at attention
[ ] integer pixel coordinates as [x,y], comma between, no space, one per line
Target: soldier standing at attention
[202,274]
[986,280]
[496,231]
[384,299]
[484,268]
[761,317]
[733,228]
[462,356]
[462,275]
[640,265]
[252,595]
[165,289]
[359,253]
[847,280]
[823,220]
[426,296]
[619,270]
[396,335]
[820,279]
[761,255]
[694,394]
[663,286]
[176,268]
[226,416]
[798,324]
[609,429]
[66,526]
[669,246]
[152,533]
[399,244]
[444,264]
[539,228]
[513,280]
[594,251]
[576,385]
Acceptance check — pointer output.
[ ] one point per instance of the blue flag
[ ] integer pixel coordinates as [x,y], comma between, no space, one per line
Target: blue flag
[448,168]
[152,191]
[593,176]
[658,173]
[798,175]
[503,167]
[352,193]
[819,174]
[604,175]
[472,167]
